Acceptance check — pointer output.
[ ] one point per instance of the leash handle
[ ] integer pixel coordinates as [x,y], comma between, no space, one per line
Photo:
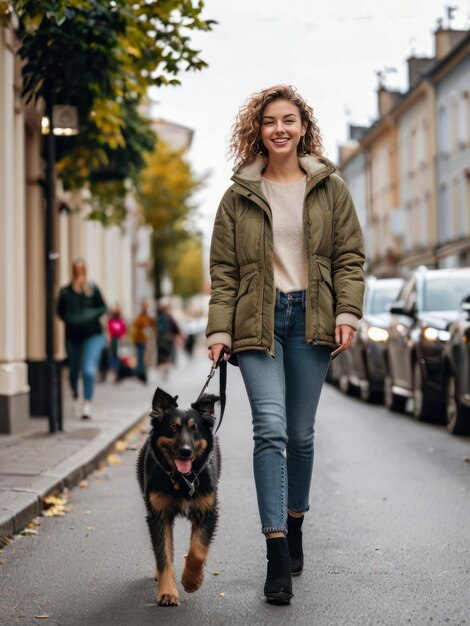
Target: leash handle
[221,365]
[222,390]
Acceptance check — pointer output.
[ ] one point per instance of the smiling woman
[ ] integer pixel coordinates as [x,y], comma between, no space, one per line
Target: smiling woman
[287,288]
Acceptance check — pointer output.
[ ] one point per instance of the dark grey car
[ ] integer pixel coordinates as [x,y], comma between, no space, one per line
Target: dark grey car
[457,373]
[418,332]
[361,368]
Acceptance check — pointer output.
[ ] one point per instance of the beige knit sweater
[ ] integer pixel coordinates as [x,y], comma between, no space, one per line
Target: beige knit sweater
[290,257]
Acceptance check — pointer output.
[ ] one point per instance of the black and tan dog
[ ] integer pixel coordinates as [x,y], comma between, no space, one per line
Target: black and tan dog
[178,470]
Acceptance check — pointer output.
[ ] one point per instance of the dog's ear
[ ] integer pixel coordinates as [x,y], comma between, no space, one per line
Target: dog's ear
[205,406]
[162,402]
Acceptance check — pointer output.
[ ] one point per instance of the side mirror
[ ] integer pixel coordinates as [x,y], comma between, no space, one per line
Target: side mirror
[465,304]
[397,308]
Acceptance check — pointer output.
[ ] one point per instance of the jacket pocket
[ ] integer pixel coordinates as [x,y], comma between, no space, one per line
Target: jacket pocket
[326,297]
[247,307]
[324,274]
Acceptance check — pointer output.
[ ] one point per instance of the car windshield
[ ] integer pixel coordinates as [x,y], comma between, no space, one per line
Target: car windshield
[381,295]
[445,293]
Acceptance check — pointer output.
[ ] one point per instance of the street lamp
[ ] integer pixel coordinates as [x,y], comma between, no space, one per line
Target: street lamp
[60,120]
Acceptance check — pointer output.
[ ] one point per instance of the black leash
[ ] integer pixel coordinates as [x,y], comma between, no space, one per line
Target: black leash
[222,366]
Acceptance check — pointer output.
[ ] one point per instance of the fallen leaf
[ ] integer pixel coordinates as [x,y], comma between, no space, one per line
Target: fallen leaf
[113,459]
[221,594]
[4,541]
[101,467]
[83,484]
[55,506]
[216,573]
[121,445]
[33,524]
[30,532]
[90,528]
[42,616]
[53,500]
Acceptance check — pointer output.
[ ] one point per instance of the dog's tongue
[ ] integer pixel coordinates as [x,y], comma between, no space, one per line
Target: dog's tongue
[183,466]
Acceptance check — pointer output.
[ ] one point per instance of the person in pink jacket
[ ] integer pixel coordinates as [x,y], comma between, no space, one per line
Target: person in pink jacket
[116,330]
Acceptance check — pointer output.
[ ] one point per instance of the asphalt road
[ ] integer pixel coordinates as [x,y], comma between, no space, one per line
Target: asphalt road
[387,539]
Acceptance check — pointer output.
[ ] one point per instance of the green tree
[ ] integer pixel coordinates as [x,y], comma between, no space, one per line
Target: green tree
[166,193]
[102,56]
[187,273]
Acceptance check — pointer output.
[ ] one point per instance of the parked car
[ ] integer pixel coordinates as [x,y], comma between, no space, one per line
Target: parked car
[457,373]
[360,370]
[428,303]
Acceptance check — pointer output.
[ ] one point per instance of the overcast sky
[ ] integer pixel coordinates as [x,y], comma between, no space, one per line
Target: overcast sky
[329,50]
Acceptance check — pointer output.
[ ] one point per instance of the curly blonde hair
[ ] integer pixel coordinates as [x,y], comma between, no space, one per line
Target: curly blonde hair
[246,142]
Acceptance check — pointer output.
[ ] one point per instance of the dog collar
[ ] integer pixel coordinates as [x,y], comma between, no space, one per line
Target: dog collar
[175,476]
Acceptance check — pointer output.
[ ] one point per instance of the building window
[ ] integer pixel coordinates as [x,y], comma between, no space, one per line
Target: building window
[421,144]
[464,120]
[454,124]
[445,215]
[412,159]
[424,219]
[444,132]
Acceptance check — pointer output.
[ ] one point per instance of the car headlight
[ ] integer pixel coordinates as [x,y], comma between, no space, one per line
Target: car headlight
[434,334]
[377,334]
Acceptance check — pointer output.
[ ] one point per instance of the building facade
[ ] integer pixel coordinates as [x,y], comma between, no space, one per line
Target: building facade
[452,120]
[108,251]
[418,164]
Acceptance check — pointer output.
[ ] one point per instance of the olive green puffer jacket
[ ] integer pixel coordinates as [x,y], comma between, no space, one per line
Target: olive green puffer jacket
[241,308]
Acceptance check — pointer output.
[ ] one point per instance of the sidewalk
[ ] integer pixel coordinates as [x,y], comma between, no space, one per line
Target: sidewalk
[34,464]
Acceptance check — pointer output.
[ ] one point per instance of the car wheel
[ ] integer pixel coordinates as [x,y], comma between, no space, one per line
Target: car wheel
[345,385]
[365,393]
[420,409]
[424,410]
[392,401]
[369,396]
[458,416]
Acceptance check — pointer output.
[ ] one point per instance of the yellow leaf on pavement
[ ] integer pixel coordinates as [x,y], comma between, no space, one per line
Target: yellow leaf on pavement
[55,506]
[113,459]
[83,484]
[121,445]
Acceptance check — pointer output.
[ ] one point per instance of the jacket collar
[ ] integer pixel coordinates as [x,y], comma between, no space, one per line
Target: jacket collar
[314,167]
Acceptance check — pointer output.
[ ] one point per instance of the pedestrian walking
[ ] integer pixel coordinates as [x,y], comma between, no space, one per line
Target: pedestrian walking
[143,329]
[117,329]
[167,331]
[80,306]
[287,287]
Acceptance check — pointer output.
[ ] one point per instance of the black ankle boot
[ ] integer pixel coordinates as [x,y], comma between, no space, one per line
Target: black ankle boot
[278,586]
[294,539]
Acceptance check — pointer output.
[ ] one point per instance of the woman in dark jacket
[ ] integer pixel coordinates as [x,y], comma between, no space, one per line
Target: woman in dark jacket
[287,286]
[80,306]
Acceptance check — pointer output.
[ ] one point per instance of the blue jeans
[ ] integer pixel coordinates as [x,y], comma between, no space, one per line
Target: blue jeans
[84,356]
[284,392]
[113,353]
[140,350]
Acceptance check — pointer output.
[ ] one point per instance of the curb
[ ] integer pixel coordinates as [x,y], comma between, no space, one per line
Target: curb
[26,504]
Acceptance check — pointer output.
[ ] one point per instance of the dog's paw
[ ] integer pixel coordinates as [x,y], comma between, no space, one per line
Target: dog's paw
[192,579]
[168,599]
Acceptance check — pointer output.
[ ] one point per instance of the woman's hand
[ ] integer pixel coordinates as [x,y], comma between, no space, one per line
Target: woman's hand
[216,350]
[344,335]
